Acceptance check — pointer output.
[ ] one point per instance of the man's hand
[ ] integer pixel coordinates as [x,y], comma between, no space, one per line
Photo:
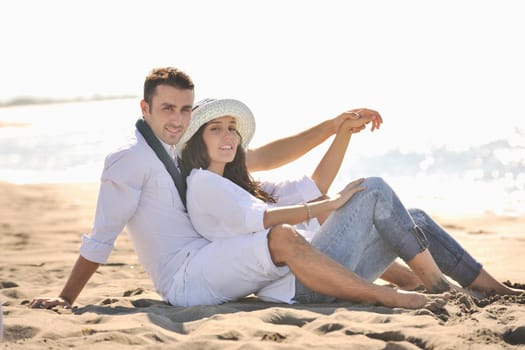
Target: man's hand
[48,303]
[363,114]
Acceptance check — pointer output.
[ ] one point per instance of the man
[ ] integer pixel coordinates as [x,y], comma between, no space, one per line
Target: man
[136,191]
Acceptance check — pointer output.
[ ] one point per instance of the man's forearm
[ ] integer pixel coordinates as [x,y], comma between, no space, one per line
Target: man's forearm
[288,149]
[80,275]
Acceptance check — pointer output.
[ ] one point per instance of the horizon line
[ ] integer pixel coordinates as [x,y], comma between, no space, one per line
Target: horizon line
[32,100]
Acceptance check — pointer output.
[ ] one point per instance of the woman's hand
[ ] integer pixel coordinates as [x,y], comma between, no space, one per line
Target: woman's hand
[339,199]
[352,126]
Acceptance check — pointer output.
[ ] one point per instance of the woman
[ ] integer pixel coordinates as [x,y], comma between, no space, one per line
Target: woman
[365,234]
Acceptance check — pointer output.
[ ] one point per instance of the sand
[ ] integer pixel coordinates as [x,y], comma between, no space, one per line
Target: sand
[40,229]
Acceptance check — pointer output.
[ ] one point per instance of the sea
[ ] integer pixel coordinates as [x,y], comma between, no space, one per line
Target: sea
[68,142]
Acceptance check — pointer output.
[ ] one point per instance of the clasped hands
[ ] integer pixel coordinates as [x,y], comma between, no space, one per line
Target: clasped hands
[356,120]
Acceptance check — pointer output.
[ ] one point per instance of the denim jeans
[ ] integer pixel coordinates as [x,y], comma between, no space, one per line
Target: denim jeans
[374,228]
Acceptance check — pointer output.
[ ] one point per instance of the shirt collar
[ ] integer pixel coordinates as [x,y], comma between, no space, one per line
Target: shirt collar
[169,148]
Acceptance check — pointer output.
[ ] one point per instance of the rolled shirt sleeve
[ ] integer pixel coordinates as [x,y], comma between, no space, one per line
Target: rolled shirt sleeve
[118,199]
[292,192]
[220,209]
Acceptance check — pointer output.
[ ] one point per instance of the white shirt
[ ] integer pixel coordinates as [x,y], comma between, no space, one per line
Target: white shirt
[137,192]
[220,209]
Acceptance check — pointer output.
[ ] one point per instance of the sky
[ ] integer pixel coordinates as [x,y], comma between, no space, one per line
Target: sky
[435,70]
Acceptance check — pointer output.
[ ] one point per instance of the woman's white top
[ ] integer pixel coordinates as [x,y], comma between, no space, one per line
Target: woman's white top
[219,209]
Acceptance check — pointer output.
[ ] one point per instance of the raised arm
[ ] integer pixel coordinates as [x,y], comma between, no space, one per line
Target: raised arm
[329,166]
[288,149]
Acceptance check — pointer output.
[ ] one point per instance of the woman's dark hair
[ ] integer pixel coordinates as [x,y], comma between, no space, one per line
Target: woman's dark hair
[195,156]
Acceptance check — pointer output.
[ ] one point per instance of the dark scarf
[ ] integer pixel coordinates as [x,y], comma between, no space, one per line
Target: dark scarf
[160,151]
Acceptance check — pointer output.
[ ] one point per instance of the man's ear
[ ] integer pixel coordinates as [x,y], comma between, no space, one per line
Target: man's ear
[144,107]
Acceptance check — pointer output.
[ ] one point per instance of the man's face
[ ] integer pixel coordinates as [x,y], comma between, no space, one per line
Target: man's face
[169,113]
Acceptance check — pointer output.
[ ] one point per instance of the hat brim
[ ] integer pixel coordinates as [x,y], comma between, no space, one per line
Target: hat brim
[213,109]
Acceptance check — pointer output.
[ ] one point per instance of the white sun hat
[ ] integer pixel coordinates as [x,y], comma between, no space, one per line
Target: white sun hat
[209,109]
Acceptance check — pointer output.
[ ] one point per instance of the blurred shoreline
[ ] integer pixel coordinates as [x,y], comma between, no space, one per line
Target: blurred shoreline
[23,101]
[68,142]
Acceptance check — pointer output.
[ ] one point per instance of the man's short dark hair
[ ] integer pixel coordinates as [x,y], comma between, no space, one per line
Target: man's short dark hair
[166,76]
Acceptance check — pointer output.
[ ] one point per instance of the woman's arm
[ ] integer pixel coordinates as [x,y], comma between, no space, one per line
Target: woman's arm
[294,214]
[219,209]
[330,164]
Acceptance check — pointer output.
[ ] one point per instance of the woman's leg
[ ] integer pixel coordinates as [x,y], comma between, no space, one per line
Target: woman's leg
[369,232]
[455,261]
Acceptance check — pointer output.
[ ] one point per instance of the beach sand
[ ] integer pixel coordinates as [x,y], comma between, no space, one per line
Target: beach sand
[40,231]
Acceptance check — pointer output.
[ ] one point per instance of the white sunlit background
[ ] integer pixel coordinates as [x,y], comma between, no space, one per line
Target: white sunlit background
[448,78]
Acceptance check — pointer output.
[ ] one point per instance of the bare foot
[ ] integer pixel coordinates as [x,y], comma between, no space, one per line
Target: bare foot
[484,293]
[486,285]
[414,285]
[415,300]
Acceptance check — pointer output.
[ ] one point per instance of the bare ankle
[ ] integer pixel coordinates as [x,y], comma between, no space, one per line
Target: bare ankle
[440,286]
[487,285]
[411,285]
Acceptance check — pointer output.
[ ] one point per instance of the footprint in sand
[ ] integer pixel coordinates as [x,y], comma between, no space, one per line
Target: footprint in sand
[131,292]
[7,284]
[515,336]
[17,332]
[275,337]
[330,327]
[395,336]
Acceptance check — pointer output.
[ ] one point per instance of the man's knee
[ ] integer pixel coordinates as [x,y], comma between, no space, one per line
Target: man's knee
[282,241]
[419,215]
[425,222]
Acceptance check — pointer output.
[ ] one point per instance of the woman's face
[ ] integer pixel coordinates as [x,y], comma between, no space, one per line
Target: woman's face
[221,139]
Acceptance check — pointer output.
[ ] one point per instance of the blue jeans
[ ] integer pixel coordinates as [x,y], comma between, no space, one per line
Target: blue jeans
[373,228]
